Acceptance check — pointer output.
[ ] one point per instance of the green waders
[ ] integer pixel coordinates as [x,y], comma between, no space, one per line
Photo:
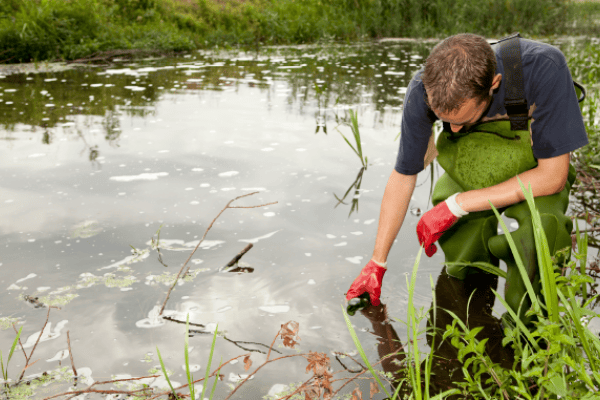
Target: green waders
[489,155]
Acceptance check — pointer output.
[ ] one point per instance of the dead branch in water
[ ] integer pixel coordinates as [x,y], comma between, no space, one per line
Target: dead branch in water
[201,240]
[240,255]
[71,355]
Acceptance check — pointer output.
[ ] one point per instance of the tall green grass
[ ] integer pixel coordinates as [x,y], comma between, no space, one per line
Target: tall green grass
[557,358]
[49,29]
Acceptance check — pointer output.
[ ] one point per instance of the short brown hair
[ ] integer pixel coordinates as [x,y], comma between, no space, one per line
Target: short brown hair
[459,68]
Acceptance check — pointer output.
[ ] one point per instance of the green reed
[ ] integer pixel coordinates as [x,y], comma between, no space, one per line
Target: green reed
[10,354]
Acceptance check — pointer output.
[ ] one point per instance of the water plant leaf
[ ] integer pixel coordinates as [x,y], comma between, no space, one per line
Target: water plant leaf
[522,328]
[519,262]
[484,266]
[212,392]
[362,352]
[164,370]
[212,350]
[190,376]
[545,264]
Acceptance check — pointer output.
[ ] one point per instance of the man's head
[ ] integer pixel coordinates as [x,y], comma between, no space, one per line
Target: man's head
[459,78]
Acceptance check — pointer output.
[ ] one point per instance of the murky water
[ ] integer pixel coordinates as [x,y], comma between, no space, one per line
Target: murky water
[95,161]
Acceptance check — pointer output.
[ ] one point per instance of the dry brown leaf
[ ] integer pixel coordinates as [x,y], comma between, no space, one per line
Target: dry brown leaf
[356,394]
[247,362]
[374,389]
[289,333]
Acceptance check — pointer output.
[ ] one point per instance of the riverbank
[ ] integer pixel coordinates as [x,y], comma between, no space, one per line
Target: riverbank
[37,30]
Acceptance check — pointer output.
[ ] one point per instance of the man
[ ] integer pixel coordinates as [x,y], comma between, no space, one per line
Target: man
[462,85]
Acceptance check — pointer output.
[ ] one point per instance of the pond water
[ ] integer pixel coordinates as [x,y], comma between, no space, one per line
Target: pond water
[96,160]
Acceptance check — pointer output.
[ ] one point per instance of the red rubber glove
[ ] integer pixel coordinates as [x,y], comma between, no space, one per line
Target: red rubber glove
[436,221]
[368,281]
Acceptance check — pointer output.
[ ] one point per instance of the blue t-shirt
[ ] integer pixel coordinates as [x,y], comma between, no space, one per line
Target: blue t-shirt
[556,122]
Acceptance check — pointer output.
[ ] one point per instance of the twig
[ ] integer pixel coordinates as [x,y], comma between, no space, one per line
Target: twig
[240,255]
[273,344]
[201,240]
[237,343]
[27,359]
[92,390]
[182,322]
[298,389]
[71,355]
[258,368]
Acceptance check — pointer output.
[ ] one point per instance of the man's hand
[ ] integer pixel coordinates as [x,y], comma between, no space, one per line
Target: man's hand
[436,221]
[369,280]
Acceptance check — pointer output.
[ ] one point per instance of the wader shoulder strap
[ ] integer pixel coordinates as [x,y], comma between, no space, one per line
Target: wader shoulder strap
[514,94]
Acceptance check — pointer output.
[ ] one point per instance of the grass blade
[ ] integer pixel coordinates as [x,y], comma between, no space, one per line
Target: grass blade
[212,392]
[582,249]
[164,370]
[362,352]
[356,132]
[412,326]
[522,328]
[212,350]
[484,266]
[513,248]
[546,268]
[190,377]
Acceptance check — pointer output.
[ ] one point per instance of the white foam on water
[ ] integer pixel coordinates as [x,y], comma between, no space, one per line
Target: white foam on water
[42,288]
[228,174]
[193,367]
[330,236]
[357,233]
[269,214]
[61,355]
[135,88]
[276,389]
[36,155]
[307,254]
[147,176]
[127,260]
[340,244]
[227,189]
[369,221]
[355,260]
[197,169]
[47,105]
[47,334]
[96,84]
[311,282]
[153,321]
[10,90]
[276,309]
[27,277]
[197,261]
[235,378]
[223,309]
[256,239]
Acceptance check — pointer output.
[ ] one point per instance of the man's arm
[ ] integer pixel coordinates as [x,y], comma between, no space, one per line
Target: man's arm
[394,205]
[548,178]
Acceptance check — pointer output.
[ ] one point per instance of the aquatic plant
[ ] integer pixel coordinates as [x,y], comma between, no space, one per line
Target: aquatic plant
[356,134]
[10,354]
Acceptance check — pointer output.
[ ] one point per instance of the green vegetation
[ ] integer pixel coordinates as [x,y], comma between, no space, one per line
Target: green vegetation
[67,30]
[556,359]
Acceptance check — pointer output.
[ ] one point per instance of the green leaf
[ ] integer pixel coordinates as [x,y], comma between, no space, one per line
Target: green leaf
[484,266]
[212,392]
[522,271]
[164,370]
[362,352]
[212,350]
[190,376]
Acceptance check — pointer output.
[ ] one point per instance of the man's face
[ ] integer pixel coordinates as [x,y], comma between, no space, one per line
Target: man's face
[467,115]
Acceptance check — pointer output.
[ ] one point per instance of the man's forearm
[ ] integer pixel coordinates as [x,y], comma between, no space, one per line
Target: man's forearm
[547,178]
[394,205]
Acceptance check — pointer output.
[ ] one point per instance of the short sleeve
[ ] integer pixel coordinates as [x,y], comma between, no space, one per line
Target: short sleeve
[415,129]
[557,126]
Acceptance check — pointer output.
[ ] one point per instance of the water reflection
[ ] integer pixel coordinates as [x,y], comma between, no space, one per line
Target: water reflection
[472,301]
